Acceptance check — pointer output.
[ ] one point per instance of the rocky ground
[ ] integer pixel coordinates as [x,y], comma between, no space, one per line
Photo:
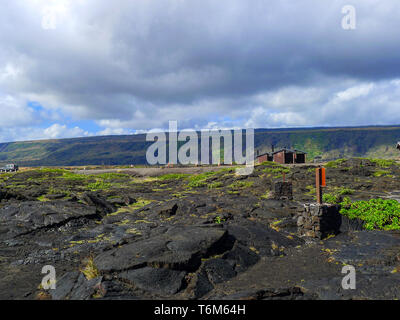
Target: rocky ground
[211,235]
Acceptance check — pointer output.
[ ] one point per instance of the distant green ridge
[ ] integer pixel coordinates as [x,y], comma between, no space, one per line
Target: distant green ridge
[328,143]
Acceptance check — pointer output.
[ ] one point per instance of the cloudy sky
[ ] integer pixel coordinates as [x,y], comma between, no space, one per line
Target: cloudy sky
[72,68]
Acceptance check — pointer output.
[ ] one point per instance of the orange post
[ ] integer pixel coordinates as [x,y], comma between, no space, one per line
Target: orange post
[323,177]
[318,184]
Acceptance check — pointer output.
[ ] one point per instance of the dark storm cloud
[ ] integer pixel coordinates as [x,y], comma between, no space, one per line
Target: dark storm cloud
[138,64]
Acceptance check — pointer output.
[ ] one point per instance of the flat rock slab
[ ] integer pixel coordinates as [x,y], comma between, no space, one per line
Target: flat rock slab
[366,247]
[25,217]
[158,281]
[261,237]
[368,286]
[179,248]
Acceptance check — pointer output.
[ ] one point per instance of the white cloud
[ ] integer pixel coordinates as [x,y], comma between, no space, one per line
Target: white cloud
[354,92]
[131,66]
[13,112]
[114,131]
[56,131]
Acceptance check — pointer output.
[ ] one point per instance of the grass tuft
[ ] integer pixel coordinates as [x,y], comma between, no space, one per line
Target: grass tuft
[90,270]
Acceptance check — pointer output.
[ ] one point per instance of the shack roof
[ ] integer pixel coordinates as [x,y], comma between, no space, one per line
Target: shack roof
[263,154]
[290,150]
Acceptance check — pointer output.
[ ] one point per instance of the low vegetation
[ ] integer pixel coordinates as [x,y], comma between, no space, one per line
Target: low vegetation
[90,270]
[378,214]
[336,196]
[199,180]
[335,163]
[173,176]
[239,185]
[383,163]
[383,173]
[276,170]
[99,185]
[215,185]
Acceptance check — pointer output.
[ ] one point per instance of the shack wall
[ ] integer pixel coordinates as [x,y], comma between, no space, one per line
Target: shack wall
[262,158]
[279,157]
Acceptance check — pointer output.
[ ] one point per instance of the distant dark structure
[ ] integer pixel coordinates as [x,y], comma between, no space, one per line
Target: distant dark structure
[398,145]
[283,156]
[262,157]
[286,156]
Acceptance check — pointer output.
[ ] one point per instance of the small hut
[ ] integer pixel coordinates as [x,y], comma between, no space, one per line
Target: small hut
[264,156]
[287,156]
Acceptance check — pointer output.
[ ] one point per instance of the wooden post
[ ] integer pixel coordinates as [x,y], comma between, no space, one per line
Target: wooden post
[318,182]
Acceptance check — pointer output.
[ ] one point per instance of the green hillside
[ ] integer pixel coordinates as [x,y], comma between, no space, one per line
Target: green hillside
[334,143]
[329,143]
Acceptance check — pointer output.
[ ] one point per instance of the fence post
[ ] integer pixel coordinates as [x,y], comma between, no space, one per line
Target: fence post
[320,181]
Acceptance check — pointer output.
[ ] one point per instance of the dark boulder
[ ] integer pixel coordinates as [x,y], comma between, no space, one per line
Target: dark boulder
[198,286]
[102,205]
[123,200]
[241,257]
[74,286]
[219,270]
[168,209]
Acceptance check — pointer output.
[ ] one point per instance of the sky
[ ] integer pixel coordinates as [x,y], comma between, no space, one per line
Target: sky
[74,68]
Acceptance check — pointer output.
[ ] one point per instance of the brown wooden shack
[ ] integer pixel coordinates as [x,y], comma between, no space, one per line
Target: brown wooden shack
[287,156]
[260,158]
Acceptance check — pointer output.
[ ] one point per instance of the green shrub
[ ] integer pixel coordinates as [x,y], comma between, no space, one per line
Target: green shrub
[380,173]
[384,163]
[344,191]
[73,176]
[42,198]
[218,220]
[335,197]
[335,163]
[199,180]
[332,198]
[377,213]
[215,185]
[197,184]
[239,185]
[99,185]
